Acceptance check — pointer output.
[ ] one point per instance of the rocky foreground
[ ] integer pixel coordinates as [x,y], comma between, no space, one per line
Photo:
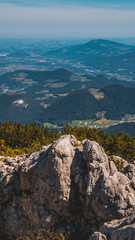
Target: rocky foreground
[67,186]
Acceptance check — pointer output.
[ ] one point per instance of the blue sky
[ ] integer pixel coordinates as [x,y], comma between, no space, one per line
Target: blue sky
[67,18]
[90,3]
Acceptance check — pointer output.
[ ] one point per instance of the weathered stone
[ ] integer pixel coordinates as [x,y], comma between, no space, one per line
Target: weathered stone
[123,229]
[67,185]
[129,171]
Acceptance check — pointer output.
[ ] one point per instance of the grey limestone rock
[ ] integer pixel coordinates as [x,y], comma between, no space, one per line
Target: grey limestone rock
[129,171]
[122,229]
[67,185]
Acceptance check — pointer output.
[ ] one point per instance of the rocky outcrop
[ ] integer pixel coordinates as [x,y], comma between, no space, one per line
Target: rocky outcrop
[68,185]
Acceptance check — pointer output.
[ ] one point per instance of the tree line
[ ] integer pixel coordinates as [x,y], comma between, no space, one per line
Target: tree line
[17,139]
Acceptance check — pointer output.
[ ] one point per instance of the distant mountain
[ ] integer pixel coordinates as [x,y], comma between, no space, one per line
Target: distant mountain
[102,55]
[92,48]
[96,57]
[19,107]
[115,102]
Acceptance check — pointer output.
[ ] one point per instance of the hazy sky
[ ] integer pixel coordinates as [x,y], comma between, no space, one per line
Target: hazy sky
[67,18]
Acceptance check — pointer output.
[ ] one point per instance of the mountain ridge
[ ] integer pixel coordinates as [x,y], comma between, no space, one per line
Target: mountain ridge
[96,44]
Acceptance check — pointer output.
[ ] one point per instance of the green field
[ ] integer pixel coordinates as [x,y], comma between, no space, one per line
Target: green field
[129,117]
[51,126]
[93,123]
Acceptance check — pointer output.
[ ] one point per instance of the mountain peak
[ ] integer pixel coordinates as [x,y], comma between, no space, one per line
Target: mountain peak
[102,41]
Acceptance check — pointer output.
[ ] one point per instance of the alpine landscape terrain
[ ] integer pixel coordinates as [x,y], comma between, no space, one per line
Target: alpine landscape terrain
[67,120]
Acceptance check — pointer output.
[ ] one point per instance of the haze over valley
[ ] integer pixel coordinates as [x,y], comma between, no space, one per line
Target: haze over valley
[77,95]
[97,56]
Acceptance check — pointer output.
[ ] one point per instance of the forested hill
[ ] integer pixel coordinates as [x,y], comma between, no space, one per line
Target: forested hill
[16,139]
[49,86]
[19,107]
[115,101]
[77,105]
[111,102]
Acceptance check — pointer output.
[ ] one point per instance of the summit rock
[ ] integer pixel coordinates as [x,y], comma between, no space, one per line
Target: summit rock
[69,185]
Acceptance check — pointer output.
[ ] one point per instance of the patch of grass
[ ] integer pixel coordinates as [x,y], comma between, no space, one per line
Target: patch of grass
[97,93]
[81,123]
[45,235]
[102,121]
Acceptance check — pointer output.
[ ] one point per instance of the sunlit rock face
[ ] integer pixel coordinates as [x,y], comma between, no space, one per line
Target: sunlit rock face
[68,185]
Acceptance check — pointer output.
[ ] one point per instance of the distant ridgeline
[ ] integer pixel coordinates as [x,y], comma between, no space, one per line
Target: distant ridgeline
[16,139]
[101,55]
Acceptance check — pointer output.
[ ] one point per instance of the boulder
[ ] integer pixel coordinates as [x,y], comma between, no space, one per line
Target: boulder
[68,185]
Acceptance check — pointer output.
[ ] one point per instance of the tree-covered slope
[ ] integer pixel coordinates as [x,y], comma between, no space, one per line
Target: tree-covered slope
[77,105]
[128,128]
[81,105]
[118,100]
[19,107]
[113,102]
